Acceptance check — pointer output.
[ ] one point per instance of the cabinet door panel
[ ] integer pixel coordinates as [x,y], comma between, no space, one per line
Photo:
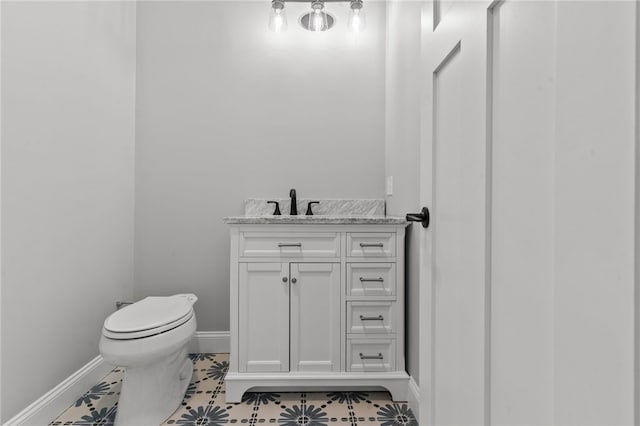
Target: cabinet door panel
[315,317]
[264,320]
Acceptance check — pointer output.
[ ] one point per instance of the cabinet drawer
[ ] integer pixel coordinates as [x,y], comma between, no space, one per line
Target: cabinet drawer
[371,244]
[370,317]
[263,244]
[371,279]
[371,355]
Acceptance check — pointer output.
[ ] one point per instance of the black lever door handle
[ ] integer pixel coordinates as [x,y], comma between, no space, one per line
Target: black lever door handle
[423,217]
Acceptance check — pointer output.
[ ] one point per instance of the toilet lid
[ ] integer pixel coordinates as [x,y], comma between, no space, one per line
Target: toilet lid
[150,314]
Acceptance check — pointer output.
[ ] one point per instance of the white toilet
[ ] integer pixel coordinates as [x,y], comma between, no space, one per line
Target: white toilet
[149,340]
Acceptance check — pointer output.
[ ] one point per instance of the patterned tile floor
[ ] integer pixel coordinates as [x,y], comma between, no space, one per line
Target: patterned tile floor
[204,404]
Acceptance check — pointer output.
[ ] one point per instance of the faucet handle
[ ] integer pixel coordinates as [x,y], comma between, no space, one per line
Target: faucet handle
[276,211]
[309,211]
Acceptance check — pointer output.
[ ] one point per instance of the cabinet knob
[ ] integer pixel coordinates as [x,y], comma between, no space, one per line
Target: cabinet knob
[285,279]
[294,280]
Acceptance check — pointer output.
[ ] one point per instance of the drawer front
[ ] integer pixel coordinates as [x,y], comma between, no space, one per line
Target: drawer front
[264,244]
[371,355]
[371,244]
[371,279]
[370,317]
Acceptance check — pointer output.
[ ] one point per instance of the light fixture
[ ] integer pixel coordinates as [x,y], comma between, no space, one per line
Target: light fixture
[277,17]
[317,19]
[356,17]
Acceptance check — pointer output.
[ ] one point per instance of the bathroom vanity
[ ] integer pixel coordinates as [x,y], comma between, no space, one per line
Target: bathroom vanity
[317,302]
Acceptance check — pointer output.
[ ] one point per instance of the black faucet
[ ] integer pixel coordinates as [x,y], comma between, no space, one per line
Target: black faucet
[294,203]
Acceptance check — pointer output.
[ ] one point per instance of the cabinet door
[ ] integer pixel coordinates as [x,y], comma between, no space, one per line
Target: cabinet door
[315,317]
[263,317]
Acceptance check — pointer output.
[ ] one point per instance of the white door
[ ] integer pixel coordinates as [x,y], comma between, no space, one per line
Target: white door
[263,317]
[315,317]
[528,167]
[453,308]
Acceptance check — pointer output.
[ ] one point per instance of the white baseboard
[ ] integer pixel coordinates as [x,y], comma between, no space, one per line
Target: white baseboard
[58,399]
[414,398]
[211,342]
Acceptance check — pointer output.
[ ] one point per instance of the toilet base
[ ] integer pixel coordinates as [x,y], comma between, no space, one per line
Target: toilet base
[151,393]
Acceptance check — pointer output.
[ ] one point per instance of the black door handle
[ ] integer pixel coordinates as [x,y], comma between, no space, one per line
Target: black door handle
[423,217]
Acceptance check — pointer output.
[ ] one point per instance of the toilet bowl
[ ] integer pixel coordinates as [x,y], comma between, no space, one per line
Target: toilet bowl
[149,340]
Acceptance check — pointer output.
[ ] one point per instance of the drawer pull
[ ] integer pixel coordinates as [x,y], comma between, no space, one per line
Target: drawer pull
[377,280]
[371,245]
[378,318]
[289,244]
[379,356]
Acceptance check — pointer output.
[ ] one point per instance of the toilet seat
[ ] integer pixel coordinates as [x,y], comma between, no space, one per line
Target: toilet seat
[148,317]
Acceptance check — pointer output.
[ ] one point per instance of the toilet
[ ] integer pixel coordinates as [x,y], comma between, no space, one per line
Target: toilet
[149,340]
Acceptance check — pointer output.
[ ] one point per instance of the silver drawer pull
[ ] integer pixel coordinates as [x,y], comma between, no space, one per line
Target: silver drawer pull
[371,245]
[378,318]
[289,244]
[379,356]
[377,280]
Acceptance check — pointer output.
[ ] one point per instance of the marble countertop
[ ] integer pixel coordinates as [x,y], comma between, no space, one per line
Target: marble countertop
[317,219]
[327,212]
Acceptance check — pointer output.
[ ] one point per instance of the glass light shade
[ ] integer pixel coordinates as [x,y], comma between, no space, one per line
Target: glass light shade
[317,19]
[356,21]
[277,20]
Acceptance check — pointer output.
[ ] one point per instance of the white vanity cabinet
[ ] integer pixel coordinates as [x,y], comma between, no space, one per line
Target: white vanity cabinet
[316,304]
[289,317]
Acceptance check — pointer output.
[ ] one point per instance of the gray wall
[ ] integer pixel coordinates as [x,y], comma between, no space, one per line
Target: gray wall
[227,110]
[403,148]
[67,186]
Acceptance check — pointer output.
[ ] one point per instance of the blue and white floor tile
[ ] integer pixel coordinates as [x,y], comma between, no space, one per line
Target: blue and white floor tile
[204,404]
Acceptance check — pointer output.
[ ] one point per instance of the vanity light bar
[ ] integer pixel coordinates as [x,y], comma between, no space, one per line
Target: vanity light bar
[317,19]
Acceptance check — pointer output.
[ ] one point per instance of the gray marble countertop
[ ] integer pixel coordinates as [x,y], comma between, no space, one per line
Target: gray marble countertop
[316,219]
